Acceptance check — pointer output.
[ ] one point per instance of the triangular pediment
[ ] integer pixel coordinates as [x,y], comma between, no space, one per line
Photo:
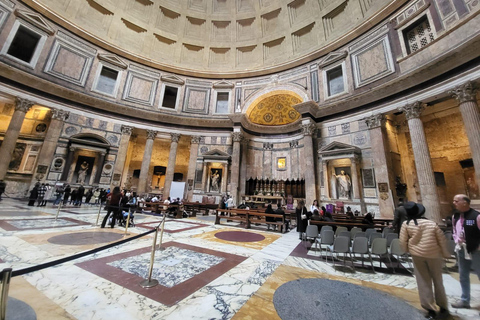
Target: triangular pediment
[332,57]
[216,152]
[338,150]
[112,59]
[36,20]
[223,85]
[172,79]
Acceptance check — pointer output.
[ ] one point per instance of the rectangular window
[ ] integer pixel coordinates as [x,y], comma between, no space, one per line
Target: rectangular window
[170,97]
[107,81]
[418,35]
[335,81]
[24,44]
[222,102]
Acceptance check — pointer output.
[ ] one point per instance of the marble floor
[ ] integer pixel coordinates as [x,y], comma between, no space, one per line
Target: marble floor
[202,273]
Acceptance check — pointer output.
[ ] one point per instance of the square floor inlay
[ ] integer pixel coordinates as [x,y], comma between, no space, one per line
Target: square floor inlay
[41,223]
[172,226]
[181,270]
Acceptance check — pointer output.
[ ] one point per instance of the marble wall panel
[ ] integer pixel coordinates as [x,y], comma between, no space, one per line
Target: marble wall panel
[196,100]
[141,86]
[6,7]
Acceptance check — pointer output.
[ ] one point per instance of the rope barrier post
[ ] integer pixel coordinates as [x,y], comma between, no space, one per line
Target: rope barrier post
[6,276]
[149,283]
[98,215]
[161,234]
[126,225]
[58,210]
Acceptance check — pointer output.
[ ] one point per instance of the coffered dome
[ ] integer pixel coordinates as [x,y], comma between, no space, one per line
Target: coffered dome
[218,38]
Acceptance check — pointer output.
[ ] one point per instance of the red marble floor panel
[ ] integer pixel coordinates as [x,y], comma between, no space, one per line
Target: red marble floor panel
[6,224]
[162,294]
[154,224]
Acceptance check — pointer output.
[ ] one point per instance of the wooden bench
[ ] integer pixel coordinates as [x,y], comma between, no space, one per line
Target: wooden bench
[233,214]
[263,216]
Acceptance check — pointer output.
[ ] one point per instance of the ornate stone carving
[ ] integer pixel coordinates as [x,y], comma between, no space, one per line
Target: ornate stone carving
[23,104]
[375,121]
[293,144]
[308,129]
[237,136]
[465,92]
[72,149]
[151,134]
[60,114]
[413,110]
[196,139]
[267,146]
[127,130]
[175,137]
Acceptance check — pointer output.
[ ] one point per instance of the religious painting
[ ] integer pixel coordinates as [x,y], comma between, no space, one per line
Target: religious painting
[83,170]
[215,179]
[281,164]
[471,185]
[17,156]
[368,178]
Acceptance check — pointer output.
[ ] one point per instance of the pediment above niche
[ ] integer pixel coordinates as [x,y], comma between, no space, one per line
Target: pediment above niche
[223,85]
[332,57]
[215,155]
[337,150]
[172,79]
[36,20]
[112,59]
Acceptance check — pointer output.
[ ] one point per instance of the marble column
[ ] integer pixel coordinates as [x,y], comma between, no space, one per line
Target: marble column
[309,129]
[223,183]
[326,181]
[379,143]
[235,171]
[192,165]
[98,173]
[423,162]
[204,178]
[466,97]
[45,157]
[267,160]
[121,155]
[147,157]
[68,163]
[171,164]
[13,131]
[243,165]
[355,180]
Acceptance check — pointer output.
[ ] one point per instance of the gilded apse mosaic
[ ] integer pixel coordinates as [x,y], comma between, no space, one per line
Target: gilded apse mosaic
[274,110]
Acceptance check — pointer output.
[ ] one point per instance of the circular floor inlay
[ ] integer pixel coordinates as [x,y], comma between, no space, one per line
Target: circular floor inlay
[19,310]
[82,238]
[239,236]
[324,299]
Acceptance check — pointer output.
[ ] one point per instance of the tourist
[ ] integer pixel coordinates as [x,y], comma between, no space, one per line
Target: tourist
[3,185]
[302,218]
[270,219]
[427,244]
[466,233]
[33,195]
[113,206]
[399,215]
[314,206]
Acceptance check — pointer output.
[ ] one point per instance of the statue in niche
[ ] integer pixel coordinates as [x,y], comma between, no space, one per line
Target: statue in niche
[82,172]
[215,180]
[344,184]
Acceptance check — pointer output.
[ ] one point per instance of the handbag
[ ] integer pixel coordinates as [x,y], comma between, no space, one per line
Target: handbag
[303,215]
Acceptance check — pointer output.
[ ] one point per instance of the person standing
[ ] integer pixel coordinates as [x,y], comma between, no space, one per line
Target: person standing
[3,185]
[67,192]
[41,194]
[80,194]
[466,233]
[427,244]
[113,206]
[399,216]
[302,219]
[33,195]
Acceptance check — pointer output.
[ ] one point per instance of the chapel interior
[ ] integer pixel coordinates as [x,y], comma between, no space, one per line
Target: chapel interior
[354,103]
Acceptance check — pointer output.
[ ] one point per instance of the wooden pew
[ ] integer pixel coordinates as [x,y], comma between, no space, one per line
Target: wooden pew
[263,216]
[233,214]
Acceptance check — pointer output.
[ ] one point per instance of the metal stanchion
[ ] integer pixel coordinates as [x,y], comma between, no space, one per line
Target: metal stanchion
[161,233]
[98,215]
[58,210]
[149,283]
[6,276]
[126,225]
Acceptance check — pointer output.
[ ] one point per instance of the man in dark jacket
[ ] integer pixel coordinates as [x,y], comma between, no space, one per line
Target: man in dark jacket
[399,216]
[466,233]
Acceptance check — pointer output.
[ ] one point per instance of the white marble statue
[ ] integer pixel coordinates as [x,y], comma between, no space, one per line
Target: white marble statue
[344,184]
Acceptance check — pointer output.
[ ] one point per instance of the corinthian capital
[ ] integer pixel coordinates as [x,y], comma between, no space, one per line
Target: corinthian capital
[308,129]
[60,114]
[175,137]
[375,121]
[23,104]
[127,130]
[195,139]
[465,92]
[151,134]
[237,136]
[414,110]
